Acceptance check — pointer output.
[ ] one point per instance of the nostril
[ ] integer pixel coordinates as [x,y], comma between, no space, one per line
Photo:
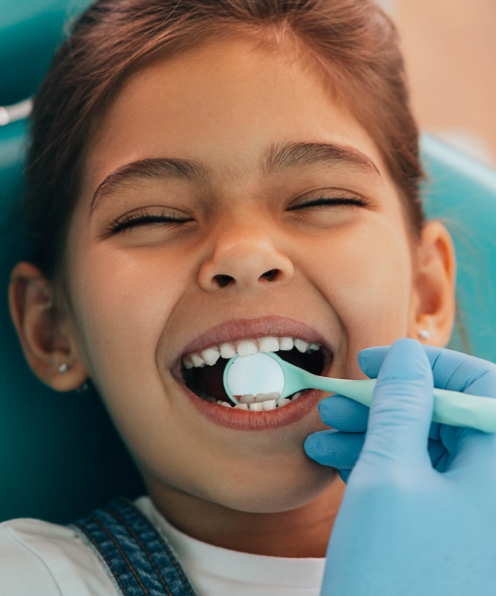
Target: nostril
[223,280]
[270,275]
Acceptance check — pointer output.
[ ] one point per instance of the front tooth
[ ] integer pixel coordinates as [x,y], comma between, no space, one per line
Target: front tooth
[301,345]
[187,363]
[241,406]
[266,396]
[225,404]
[268,344]
[256,407]
[286,343]
[210,355]
[260,397]
[313,347]
[296,396]
[227,351]
[247,347]
[197,360]
[269,404]
[283,402]
[246,399]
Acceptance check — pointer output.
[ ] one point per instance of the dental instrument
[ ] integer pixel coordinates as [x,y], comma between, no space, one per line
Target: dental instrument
[267,373]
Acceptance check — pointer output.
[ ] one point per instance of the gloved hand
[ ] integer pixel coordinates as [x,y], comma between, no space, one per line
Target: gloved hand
[411,524]
[341,446]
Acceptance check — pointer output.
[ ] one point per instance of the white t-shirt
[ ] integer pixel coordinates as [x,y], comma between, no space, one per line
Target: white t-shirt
[44,559]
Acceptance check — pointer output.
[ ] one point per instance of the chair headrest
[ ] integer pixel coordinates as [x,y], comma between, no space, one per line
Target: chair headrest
[461,192]
[60,455]
[30,31]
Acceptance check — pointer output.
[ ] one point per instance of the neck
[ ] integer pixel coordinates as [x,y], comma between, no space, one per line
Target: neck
[299,533]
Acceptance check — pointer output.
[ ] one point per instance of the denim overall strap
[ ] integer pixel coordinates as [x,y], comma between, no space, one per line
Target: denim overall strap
[141,561]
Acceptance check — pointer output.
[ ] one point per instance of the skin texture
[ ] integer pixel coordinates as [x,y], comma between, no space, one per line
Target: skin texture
[139,297]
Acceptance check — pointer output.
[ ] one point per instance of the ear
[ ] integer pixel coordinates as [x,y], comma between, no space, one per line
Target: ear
[44,332]
[433,301]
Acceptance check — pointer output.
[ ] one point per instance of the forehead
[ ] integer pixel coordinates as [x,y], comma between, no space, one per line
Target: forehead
[225,104]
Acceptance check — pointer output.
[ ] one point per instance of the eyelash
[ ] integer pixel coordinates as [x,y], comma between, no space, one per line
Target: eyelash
[322,201]
[144,217]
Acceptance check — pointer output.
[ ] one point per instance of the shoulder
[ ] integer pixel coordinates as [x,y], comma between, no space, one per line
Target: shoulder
[38,557]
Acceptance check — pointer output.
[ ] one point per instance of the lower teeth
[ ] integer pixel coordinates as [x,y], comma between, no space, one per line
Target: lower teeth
[255,406]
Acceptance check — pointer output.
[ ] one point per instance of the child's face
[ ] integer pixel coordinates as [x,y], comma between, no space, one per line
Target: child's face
[339,275]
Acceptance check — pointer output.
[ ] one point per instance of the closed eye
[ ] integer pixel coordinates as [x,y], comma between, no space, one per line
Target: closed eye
[327,201]
[144,218]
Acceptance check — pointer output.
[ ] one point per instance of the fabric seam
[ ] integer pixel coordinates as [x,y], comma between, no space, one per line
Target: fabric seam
[167,547]
[148,555]
[33,552]
[99,556]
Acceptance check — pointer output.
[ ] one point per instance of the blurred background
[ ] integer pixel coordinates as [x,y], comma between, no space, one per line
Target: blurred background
[449,47]
[450,52]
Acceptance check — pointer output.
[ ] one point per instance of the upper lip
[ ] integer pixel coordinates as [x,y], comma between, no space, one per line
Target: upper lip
[238,329]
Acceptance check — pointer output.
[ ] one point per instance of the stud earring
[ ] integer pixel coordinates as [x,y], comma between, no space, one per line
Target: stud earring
[424,334]
[64,367]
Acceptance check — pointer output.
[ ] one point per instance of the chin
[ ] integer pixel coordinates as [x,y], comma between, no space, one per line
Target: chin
[272,491]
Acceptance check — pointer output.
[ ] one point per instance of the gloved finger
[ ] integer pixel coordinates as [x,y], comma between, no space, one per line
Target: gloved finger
[449,436]
[370,360]
[434,431]
[401,409]
[459,372]
[344,414]
[436,451]
[443,463]
[451,370]
[468,452]
[474,458]
[347,415]
[472,454]
[334,448]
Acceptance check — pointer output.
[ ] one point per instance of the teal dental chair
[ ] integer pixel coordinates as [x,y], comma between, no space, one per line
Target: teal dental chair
[60,455]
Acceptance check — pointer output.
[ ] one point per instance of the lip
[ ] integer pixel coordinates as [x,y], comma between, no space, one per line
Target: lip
[238,329]
[241,420]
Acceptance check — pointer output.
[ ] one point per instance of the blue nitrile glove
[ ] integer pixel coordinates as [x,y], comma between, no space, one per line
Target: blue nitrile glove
[341,447]
[405,527]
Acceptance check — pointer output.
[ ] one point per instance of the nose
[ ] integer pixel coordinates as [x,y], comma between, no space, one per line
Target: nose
[245,258]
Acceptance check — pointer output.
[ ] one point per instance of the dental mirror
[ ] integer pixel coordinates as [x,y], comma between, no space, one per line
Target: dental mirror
[252,375]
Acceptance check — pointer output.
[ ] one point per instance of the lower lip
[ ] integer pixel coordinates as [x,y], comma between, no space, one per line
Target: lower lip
[243,420]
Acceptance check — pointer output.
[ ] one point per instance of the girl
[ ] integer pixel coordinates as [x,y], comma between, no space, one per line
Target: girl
[206,178]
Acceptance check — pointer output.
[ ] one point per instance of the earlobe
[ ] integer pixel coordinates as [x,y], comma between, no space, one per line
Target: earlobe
[433,303]
[42,330]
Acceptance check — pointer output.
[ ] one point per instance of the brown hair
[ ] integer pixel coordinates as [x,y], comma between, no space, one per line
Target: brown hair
[352,41]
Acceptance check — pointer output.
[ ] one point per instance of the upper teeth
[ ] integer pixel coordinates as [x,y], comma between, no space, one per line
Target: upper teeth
[246,347]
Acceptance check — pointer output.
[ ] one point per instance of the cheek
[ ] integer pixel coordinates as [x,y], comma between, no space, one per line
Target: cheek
[124,299]
[367,279]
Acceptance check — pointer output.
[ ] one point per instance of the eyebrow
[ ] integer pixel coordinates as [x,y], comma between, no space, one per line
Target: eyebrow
[276,157]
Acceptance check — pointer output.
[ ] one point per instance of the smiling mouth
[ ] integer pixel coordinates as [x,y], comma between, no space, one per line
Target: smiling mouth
[203,372]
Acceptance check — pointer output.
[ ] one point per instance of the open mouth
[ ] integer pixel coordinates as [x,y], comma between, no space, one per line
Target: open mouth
[203,371]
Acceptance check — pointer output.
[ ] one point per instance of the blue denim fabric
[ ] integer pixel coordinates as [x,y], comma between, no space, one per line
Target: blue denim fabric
[141,561]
